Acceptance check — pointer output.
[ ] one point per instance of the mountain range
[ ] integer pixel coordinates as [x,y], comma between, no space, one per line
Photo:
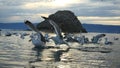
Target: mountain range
[89,27]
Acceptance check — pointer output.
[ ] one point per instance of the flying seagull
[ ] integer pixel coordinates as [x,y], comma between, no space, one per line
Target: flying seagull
[37,39]
[59,38]
[96,38]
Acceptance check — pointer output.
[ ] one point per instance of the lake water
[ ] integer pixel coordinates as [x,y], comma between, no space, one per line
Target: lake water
[17,53]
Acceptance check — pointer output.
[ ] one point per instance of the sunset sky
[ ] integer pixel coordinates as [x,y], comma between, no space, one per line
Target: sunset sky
[88,11]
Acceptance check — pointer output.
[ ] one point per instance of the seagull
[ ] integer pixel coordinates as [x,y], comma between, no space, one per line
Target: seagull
[107,42]
[37,39]
[22,35]
[46,37]
[81,39]
[69,37]
[7,33]
[59,38]
[96,38]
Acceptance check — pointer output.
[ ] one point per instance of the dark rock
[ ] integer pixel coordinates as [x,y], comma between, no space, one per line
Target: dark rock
[66,20]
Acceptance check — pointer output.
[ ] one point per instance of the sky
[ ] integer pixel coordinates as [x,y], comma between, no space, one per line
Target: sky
[105,12]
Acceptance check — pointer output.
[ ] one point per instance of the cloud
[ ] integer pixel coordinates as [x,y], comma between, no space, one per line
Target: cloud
[50,3]
[103,9]
[99,20]
[90,11]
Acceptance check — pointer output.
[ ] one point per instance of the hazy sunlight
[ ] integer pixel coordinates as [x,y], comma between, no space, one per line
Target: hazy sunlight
[61,2]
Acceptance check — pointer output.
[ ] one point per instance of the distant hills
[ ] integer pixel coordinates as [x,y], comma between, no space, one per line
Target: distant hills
[20,26]
[102,28]
[89,27]
[15,26]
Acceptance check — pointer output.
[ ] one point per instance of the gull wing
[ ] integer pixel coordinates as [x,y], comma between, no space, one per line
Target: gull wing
[29,24]
[55,26]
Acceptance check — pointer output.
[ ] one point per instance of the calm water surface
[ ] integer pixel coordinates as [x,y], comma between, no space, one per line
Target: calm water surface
[17,53]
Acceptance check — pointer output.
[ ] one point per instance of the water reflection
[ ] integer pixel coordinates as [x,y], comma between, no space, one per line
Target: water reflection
[18,53]
[36,59]
[13,56]
[38,54]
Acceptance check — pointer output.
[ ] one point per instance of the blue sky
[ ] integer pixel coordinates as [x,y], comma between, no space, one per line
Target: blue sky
[88,11]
